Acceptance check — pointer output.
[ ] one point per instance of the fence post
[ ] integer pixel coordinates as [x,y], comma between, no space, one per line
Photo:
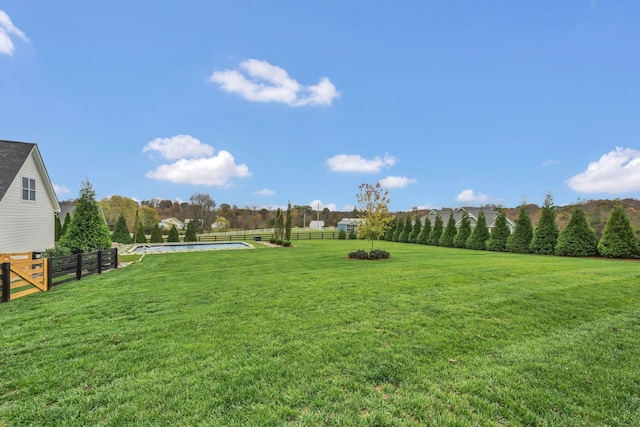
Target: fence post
[99,262]
[47,262]
[114,257]
[79,266]
[6,282]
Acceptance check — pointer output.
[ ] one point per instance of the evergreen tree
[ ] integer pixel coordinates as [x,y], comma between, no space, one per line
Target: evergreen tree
[578,238]
[398,230]
[287,224]
[449,233]
[436,231]
[520,241]
[464,231]
[388,235]
[121,231]
[156,234]
[480,234]
[190,235]
[545,236]
[279,226]
[140,237]
[499,234]
[417,227]
[618,239]
[65,225]
[423,236]
[57,227]
[404,236]
[173,236]
[88,230]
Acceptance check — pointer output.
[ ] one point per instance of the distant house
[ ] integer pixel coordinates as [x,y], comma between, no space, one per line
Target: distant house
[167,223]
[349,224]
[489,213]
[316,225]
[28,202]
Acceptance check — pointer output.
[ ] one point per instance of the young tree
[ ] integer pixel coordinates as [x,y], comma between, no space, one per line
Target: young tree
[618,239]
[398,229]
[449,234]
[190,235]
[88,230]
[479,235]
[520,241]
[57,227]
[373,204]
[287,224]
[464,231]
[436,231]
[140,236]
[423,236]
[279,226]
[546,233]
[499,234]
[65,225]
[173,236]
[577,238]
[406,230]
[417,227]
[121,231]
[156,234]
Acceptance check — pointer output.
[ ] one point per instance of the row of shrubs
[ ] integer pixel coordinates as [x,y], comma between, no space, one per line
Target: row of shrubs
[374,254]
[280,242]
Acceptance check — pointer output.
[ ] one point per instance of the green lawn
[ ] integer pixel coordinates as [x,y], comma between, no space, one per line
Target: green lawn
[303,336]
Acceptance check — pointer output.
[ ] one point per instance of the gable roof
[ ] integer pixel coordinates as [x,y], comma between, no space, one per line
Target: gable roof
[490,215]
[12,156]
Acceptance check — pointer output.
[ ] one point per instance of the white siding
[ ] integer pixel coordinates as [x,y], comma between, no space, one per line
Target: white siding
[26,226]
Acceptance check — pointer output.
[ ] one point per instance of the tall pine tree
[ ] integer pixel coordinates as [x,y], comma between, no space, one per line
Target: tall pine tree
[449,233]
[121,231]
[499,233]
[406,230]
[546,233]
[173,235]
[156,234]
[436,231]
[577,238]
[190,235]
[618,239]
[464,231]
[423,236]
[417,227]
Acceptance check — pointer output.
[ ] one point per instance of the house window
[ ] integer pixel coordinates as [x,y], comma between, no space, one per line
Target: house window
[28,189]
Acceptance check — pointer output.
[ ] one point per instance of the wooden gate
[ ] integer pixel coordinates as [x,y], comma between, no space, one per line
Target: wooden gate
[22,274]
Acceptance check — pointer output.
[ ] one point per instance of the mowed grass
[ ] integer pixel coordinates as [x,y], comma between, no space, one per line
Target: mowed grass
[303,336]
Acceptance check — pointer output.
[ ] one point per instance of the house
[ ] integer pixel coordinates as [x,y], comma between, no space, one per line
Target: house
[167,223]
[490,214]
[349,224]
[28,202]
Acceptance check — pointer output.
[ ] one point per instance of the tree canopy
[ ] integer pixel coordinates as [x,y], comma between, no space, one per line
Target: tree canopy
[373,204]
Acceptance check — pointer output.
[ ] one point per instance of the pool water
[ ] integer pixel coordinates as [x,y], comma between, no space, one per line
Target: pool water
[182,247]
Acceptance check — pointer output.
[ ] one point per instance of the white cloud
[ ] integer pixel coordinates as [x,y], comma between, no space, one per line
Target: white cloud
[396,181]
[6,30]
[616,172]
[317,204]
[355,163]
[469,196]
[196,163]
[179,147]
[265,192]
[60,189]
[550,162]
[263,82]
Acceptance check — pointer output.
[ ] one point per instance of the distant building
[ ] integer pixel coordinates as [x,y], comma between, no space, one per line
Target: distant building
[166,224]
[316,225]
[489,213]
[349,224]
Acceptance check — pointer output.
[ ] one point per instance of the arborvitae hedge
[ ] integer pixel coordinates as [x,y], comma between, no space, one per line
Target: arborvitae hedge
[173,236]
[190,235]
[404,236]
[65,225]
[423,237]
[436,231]
[156,234]
[57,227]
[520,241]
[140,237]
[121,231]
[577,238]
[499,234]
[464,231]
[545,236]
[417,226]
[618,239]
[449,233]
[479,235]
[388,235]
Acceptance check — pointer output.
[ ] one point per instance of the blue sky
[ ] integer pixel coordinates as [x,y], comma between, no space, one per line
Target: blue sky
[257,103]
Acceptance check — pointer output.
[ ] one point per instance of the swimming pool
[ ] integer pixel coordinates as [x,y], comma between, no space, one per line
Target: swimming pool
[183,247]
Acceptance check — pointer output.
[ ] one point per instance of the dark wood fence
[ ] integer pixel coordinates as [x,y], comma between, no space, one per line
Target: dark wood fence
[17,282]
